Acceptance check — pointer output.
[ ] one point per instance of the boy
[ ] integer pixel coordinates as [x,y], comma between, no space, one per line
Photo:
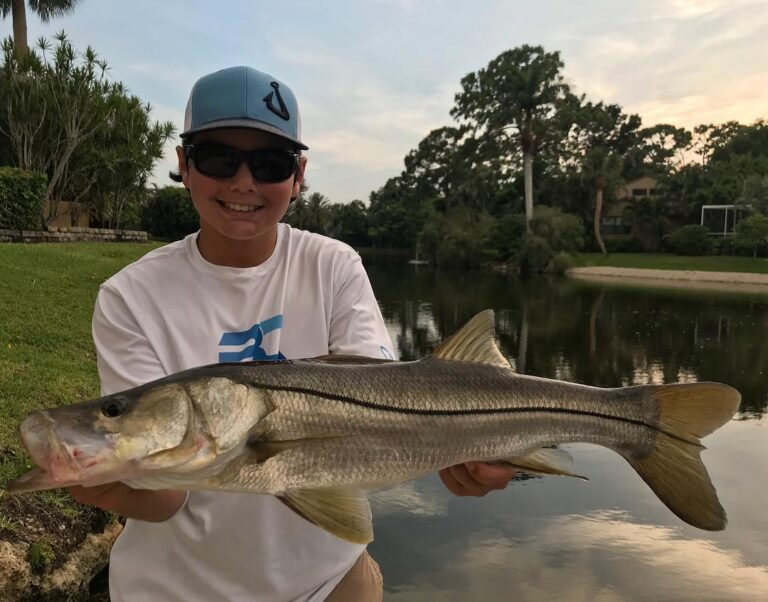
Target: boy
[243,287]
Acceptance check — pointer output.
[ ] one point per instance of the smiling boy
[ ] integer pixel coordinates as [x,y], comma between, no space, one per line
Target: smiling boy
[244,287]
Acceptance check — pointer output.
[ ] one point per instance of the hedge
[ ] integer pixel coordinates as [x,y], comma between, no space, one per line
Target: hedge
[22,196]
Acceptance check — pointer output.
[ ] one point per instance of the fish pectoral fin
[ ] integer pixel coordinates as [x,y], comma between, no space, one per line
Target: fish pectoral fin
[474,342]
[546,461]
[345,513]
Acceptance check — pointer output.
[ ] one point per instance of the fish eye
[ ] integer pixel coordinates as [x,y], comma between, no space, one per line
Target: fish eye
[113,408]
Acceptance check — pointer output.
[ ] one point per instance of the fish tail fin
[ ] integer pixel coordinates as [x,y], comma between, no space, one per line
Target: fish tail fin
[673,469]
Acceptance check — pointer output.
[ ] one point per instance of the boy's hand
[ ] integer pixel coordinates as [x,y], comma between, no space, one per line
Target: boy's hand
[141,504]
[476,478]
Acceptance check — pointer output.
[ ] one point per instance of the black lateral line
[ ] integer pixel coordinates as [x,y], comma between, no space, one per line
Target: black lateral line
[473,412]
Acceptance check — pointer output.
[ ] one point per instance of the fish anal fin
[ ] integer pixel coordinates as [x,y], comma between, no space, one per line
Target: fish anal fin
[345,513]
[545,461]
[474,342]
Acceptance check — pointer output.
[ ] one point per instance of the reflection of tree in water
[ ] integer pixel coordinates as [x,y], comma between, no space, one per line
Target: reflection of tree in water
[603,336]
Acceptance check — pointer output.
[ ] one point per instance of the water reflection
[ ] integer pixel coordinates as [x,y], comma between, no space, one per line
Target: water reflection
[609,539]
[598,334]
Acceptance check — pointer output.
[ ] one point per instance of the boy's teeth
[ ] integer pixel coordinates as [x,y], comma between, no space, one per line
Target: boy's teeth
[238,207]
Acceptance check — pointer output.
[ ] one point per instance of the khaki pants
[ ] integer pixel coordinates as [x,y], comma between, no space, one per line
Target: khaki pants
[363,583]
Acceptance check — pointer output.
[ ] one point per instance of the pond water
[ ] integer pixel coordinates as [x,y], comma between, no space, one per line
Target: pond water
[558,538]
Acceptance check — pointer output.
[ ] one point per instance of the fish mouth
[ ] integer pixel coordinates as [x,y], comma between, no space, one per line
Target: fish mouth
[64,457]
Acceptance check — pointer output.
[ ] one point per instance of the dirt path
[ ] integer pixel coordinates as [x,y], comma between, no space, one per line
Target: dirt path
[721,281]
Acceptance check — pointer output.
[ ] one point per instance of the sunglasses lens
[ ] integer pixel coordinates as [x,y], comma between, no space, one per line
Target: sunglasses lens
[216,161]
[272,165]
[267,165]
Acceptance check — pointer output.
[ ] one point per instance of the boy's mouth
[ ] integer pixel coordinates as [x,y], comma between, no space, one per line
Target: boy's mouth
[238,206]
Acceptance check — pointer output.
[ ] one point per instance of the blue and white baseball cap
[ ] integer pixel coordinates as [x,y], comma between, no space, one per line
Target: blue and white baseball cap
[242,97]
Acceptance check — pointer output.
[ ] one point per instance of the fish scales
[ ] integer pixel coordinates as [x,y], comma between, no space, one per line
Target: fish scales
[319,433]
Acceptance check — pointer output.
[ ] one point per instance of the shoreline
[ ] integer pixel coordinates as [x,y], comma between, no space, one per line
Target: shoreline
[732,282]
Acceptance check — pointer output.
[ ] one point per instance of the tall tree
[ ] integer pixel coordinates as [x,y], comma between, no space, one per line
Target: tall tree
[520,91]
[45,9]
[601,135]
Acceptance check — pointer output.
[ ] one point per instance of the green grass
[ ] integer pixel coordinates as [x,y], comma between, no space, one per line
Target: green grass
[659,261]
[46,352]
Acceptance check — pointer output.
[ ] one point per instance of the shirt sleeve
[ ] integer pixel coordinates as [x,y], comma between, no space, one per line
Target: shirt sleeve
[357,326]
[124,356]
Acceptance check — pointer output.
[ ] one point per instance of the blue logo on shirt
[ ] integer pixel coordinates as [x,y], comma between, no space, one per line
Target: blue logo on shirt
[251,352]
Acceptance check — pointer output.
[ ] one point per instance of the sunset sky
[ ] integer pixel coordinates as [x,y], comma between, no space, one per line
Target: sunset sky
[374,77]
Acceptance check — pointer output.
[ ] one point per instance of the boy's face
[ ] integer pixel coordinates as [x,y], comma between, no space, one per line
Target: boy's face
[214,197]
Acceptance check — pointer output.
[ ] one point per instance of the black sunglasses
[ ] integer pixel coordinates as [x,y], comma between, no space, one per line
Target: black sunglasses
[219,161]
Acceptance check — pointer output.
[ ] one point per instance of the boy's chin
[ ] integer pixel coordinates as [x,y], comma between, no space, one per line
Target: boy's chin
[244,232]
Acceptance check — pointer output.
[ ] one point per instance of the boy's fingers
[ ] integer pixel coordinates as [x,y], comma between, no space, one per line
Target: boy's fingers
[493,475]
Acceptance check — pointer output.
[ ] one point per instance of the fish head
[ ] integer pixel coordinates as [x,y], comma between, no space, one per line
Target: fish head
[159,428]
[103,440]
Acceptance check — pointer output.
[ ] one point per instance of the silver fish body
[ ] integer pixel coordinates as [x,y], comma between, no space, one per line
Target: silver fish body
[320,433]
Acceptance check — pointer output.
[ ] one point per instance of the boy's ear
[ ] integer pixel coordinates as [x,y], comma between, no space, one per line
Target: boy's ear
[183,168]
[299,178]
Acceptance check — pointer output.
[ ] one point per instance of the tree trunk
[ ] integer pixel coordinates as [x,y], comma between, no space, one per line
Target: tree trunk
[526,141]
[19,13]
[522,350]
[600,184]
[528,176]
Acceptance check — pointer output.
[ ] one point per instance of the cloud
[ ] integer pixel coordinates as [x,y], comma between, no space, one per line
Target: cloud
[582,558]
[407,498]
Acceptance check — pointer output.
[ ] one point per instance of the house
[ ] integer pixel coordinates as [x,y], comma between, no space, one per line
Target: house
[614,220]
[64,214]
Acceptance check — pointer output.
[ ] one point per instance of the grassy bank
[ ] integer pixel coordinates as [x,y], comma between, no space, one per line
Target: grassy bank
[47,359]
[659,261]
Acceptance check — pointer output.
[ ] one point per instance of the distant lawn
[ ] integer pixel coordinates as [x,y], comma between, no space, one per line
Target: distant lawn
[46,353]
[661,261]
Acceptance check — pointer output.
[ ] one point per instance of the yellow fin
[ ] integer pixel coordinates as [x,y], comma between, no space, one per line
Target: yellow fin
[345,513]
[678,477]
[546,461]
[474,342]
[693,410]
[674,469]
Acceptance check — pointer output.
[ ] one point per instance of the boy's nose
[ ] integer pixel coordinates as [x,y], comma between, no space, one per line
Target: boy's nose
[243,180]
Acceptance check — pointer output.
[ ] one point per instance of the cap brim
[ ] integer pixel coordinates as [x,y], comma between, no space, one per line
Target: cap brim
[250,124]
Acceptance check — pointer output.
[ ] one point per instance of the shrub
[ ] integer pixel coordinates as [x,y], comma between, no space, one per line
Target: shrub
[22,196]
[560,263]
[623,244]
[562,231]
[690,240]
[534,255]
[752,234]
[170,214]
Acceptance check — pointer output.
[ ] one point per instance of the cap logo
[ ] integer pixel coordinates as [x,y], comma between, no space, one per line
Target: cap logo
[283,110]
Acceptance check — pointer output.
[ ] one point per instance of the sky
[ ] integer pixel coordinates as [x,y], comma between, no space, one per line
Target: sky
[374,77]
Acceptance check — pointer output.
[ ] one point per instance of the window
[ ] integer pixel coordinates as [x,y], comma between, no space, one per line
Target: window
[613,225]
[639,192]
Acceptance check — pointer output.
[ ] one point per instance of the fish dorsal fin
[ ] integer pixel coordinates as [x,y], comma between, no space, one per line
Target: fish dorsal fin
[474,342]
[345,513]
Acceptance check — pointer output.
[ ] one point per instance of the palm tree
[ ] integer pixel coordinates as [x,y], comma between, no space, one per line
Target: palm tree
[600,136]
[45,9]
[521,90]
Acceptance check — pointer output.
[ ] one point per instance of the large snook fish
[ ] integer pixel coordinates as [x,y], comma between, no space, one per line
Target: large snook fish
[319,433]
